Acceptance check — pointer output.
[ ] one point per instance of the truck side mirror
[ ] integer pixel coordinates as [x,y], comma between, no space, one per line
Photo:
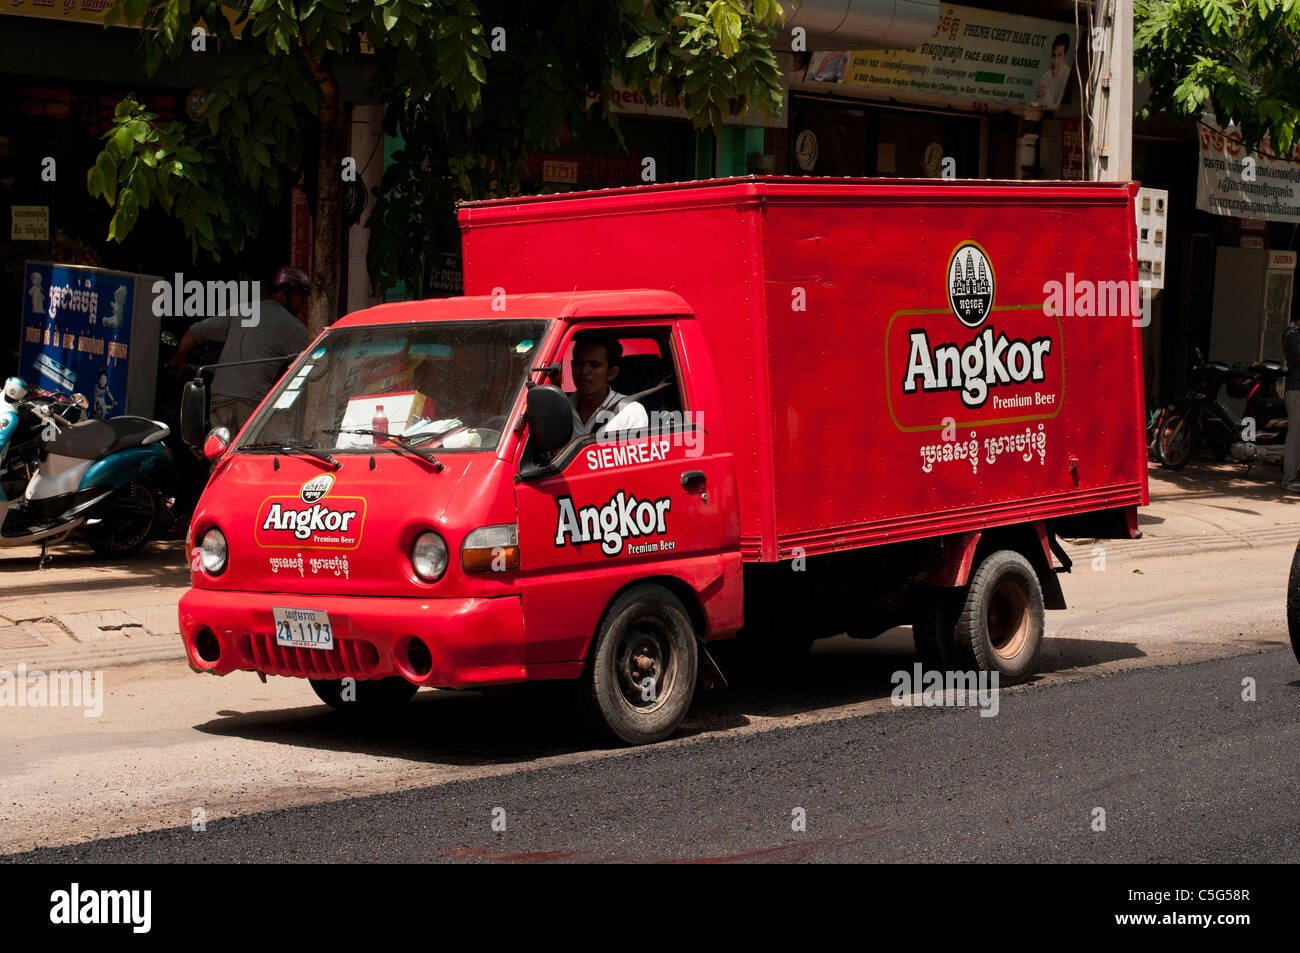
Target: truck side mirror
[550,417]
[194,412]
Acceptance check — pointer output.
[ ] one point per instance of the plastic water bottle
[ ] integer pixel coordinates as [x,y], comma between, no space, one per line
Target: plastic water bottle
[379,424]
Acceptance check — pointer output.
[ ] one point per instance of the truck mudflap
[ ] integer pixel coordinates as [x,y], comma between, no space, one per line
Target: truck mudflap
[1036,541]
[439,643]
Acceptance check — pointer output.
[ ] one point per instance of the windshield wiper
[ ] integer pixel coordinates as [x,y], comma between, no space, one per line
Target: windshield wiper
[403,442]
[294,447]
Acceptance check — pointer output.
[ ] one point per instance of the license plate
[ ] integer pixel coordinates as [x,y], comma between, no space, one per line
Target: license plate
[303,628]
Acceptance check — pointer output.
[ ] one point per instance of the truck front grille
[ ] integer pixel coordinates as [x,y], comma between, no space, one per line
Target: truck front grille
[348,657]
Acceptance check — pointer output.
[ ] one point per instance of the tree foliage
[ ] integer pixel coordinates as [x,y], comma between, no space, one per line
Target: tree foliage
[1239,57]
[716,57]
[469,114]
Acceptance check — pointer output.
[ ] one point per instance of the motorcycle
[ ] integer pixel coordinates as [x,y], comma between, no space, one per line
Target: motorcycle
[24,452]
[112,481]
[1265,420]
[1201,417]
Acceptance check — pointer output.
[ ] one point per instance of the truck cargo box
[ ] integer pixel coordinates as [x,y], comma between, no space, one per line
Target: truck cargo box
[900,359]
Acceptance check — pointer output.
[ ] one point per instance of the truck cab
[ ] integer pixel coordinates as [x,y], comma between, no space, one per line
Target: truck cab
[387,518]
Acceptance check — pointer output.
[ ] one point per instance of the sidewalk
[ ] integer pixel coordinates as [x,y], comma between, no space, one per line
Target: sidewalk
[1206,507]
[81,612]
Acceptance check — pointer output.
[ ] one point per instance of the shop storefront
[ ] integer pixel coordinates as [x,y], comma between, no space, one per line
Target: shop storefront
[1232,244]
[991,94]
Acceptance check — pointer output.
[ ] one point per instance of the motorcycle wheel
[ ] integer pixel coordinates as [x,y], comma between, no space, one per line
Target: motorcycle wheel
[1176,451]
[126,521]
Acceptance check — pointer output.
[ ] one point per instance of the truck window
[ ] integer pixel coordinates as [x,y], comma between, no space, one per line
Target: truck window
[647,360]
[443,385]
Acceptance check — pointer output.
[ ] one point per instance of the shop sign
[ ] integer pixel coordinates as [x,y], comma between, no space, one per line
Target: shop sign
[77,325]
[1253,232]
[1255,185]
[92,11]
[557,170]
[626,102]
[974,56]
[1072,151]
[31,223]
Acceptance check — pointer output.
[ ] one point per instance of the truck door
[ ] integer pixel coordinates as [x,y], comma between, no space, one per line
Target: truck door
[618,506]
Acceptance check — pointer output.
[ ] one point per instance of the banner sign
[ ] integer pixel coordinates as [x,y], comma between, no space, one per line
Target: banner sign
[92,11]
[77,336]
[974,56]
[1232,182]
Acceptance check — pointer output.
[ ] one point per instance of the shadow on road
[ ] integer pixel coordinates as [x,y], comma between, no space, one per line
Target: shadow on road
[158,564]
[525,723]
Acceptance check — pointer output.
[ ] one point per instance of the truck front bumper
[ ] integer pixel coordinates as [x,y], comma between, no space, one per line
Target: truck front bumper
[441,643]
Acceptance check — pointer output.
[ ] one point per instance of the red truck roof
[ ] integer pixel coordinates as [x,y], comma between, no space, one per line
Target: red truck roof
[573,304]
[845,319]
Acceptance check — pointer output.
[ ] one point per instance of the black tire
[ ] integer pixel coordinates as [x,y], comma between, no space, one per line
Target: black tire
[934,631]
[645,634]
[1175,454]
[373,697]
[1001,622]
[126,521]
[1293,604]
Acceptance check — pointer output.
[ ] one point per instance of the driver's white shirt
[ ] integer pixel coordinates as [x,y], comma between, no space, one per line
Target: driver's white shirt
[616,413]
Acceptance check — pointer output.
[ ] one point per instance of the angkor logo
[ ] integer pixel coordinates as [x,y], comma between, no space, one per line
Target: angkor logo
[316,488]
[971,284]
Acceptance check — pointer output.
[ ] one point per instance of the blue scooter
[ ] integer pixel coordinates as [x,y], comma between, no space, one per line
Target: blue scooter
[111,480]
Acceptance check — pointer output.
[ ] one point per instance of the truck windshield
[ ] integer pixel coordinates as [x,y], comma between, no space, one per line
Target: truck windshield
[445,386]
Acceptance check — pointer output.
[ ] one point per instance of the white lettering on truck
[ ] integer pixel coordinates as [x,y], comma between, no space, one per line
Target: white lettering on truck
[317,518]
[983,363]
[621,518]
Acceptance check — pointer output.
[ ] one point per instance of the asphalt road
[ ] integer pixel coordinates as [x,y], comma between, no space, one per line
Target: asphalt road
[1183,767]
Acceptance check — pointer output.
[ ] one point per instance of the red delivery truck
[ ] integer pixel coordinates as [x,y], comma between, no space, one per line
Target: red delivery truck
[663,416]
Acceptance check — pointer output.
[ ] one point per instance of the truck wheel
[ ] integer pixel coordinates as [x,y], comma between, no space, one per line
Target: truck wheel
[640,673]
[934,632]
[372,697]
[1293,604]
[1002,620]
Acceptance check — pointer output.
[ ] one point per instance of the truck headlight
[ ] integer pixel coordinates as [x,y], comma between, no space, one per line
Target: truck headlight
[429,556]
[491,549]
[212,552]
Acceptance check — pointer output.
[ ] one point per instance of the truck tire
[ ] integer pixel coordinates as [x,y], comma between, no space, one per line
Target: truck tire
[376,696]
[1293,604]
[934,632]
[1001,622]
[640,674]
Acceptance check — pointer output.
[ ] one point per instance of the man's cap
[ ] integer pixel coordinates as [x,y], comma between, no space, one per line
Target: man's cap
[293,277]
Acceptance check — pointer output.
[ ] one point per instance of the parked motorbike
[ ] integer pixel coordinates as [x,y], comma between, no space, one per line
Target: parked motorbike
[24,451]
[112,481]
[1201,418]
[1264,436]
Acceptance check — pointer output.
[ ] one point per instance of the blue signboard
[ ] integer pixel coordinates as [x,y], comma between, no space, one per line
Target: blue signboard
[77,333]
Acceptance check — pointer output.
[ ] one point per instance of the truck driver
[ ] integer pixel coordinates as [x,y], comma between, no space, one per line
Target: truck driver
[597,407]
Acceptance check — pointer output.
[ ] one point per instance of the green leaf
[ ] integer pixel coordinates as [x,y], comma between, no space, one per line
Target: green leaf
[122,139]
[128,208]
[640,46]
[107,169]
